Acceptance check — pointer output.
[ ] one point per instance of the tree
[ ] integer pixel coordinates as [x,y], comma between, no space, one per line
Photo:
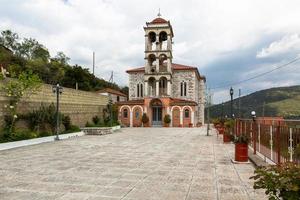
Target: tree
[61,58]
[9,40]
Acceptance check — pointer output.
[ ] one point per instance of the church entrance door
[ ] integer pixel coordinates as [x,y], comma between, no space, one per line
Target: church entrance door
[156,116]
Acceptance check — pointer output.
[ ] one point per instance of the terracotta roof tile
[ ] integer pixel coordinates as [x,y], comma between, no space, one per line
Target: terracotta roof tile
[175,66]
[158,20]
[131,102]
[112,91]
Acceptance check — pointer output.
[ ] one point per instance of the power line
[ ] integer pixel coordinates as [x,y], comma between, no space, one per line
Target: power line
[258,75]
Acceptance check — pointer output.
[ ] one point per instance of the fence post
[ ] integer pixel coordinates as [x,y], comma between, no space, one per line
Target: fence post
[271,141]
[291,150]
[278,142]
[258,137]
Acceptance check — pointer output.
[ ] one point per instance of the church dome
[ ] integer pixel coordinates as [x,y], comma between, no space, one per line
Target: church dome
[159,20]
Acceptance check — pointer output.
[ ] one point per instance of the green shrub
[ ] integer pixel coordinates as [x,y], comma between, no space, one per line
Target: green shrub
[96,120]
[167,119]
[241,139]
[279,181]
[45,134]
[88,124]
[145,118]
[66,121]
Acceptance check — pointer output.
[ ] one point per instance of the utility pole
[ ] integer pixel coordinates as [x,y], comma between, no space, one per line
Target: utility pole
[263,111]
[111,79]
[240,93]
[93,63]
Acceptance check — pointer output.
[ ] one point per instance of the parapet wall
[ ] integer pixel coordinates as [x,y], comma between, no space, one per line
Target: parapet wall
[81,106]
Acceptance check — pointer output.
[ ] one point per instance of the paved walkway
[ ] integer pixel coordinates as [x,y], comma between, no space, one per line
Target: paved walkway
[149,163]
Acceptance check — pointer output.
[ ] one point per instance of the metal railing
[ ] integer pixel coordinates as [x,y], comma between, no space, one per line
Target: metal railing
[276,140]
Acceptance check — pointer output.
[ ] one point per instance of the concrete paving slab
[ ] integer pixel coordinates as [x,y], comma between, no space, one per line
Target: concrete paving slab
[135,163]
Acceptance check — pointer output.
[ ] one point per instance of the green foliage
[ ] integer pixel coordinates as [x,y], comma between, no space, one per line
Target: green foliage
[66,121]
[167,119]
[229,123]
[145,118]
[45,115]
[243,138]
[29,54]
[14,90]
[72,129]
[280,182]
[96,120]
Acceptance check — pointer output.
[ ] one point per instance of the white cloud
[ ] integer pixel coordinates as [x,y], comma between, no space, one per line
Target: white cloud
[287,44]
[205,31]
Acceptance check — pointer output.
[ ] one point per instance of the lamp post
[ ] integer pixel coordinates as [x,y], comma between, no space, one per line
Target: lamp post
[253,114]
[57,89]
[231,102]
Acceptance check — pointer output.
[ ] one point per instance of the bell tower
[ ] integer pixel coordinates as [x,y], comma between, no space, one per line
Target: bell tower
[158,56]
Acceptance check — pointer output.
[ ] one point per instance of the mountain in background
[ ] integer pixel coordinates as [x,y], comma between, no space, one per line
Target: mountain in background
[281,101]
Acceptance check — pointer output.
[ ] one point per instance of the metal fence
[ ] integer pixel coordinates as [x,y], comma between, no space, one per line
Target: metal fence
[276,141]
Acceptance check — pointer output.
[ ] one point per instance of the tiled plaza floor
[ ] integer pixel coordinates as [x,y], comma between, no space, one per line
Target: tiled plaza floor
[137,163]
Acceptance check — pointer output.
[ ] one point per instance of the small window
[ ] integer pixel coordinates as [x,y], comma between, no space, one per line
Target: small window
[125,113]
[138,90]
[186,113]
[142,91]
[181,89]
[137,114]
[118,98]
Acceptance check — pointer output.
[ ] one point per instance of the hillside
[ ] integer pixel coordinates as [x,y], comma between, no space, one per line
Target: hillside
[27,54]
[281,101]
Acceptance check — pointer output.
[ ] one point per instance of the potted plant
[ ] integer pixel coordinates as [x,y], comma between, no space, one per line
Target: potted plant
[190,125]
[167,120]
[145,120]
[279,181]
[227,136]
[241,148]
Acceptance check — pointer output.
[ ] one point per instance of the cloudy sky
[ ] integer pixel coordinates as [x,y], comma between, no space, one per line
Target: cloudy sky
[229,41]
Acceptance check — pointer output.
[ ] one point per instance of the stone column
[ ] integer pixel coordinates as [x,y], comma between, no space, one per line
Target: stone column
[131,118]
[146,88]
[181,117]
[157,64]
[157,88]
[169,43]
[169,87]
[192,118]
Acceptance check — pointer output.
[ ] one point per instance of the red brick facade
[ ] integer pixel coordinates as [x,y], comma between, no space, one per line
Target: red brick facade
[182,112]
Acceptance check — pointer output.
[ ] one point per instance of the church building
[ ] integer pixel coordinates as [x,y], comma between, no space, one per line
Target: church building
[162,87]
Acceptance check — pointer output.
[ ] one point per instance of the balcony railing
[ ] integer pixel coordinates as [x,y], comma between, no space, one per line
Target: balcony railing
[277,141]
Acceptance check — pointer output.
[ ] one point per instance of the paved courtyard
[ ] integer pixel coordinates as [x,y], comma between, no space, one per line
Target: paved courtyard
[137,163]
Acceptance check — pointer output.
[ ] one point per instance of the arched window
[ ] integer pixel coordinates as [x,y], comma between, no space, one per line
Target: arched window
[186,113]
[183,88]
[142,90]
[139,90]
[125,113]
[137,114]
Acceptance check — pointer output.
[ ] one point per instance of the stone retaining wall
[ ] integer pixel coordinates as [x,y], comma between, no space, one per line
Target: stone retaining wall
[81,106]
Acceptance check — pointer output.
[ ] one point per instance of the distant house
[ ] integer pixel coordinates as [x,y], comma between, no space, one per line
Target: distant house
[115,95]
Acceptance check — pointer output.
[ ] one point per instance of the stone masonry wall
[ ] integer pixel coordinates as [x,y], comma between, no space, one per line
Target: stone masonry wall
[81,106]
[134,79]
[187,76]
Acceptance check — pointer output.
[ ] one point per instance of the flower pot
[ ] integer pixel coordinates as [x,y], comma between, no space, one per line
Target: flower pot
[221,130]
[190,125]
[241,152]
[166,125]
[226,138]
